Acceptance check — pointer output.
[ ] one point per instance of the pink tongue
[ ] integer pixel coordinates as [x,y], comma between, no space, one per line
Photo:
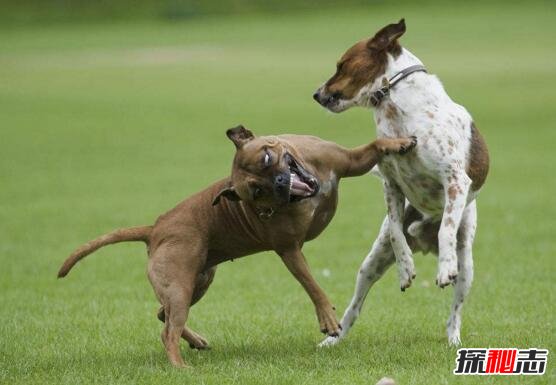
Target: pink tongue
[298,187]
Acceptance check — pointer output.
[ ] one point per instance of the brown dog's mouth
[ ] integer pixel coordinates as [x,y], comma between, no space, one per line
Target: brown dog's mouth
[302,183]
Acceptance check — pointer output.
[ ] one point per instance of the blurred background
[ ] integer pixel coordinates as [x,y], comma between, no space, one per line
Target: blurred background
[55,11]
[111,112]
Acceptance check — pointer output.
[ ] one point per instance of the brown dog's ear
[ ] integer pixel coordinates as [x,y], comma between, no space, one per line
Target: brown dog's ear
[239,135]
[387,36]
[228,193]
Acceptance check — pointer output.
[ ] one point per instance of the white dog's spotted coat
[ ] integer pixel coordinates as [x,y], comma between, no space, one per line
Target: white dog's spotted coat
[431,179]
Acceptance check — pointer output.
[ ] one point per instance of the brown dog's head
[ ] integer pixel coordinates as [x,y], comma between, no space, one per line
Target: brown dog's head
[358,68]
[266,172]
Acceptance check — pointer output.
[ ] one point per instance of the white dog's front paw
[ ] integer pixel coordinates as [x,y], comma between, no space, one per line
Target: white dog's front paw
[329,341]
[447,274]
[406,272]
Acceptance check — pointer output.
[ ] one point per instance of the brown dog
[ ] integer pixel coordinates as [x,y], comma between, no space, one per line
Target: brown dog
[282,192]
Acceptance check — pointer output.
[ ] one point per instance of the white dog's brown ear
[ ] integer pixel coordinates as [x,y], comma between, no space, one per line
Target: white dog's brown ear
[228,193]
[239,135]
[387,36]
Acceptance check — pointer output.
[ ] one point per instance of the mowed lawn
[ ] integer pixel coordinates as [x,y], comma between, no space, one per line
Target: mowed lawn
[109,125]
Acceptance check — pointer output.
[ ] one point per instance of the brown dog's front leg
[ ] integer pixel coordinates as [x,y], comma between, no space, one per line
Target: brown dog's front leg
[363,158]
[297,265]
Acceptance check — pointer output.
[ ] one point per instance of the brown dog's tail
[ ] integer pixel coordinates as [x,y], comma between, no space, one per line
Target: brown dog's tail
[121,235]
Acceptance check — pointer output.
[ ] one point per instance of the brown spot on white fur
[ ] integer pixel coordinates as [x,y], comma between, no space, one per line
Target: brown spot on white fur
[391,111]
[477,168]
[452,192]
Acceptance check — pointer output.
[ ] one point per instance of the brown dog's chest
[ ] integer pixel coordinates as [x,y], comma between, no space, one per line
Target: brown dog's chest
[322,215]
[240,231]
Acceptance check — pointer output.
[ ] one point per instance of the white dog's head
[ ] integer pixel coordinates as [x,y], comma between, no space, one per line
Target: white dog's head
[359,68]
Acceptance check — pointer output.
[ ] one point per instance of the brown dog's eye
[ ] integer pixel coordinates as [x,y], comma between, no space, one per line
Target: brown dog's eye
[267,159]
[257,193]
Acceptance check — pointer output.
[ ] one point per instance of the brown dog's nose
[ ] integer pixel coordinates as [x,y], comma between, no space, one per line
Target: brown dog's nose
[316,96]
[281,180]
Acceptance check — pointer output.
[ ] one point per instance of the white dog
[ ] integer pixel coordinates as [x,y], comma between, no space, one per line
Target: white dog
[440,179]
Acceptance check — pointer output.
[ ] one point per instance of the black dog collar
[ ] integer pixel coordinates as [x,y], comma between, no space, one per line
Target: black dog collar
[378,95]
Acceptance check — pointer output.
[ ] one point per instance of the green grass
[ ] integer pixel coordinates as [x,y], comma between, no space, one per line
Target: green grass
[109,125]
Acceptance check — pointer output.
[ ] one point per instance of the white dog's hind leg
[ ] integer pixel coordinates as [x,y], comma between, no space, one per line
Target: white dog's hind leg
[379,259]
[415,229]
[395,200]
[456,188]
[466,235]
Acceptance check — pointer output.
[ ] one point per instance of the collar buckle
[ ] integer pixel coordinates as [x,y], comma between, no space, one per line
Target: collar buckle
[381,93]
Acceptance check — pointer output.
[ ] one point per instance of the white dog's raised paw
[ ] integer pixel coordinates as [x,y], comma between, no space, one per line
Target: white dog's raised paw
[407,275]
[329,341]
[446,277]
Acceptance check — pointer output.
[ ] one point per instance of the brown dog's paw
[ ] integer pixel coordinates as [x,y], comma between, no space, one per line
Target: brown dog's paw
[195,340]
[407,145]
[201,344]
[397,145]
[327,320]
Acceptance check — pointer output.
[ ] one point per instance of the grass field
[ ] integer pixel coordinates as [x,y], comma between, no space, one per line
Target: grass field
[109,125]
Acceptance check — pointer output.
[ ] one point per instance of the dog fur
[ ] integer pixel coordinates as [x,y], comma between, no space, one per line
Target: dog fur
[439,180]
[281,193]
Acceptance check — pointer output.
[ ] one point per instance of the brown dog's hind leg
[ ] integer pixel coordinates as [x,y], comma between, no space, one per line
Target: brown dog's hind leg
[176,309]
[202,283]
[195,340]
[172,272]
